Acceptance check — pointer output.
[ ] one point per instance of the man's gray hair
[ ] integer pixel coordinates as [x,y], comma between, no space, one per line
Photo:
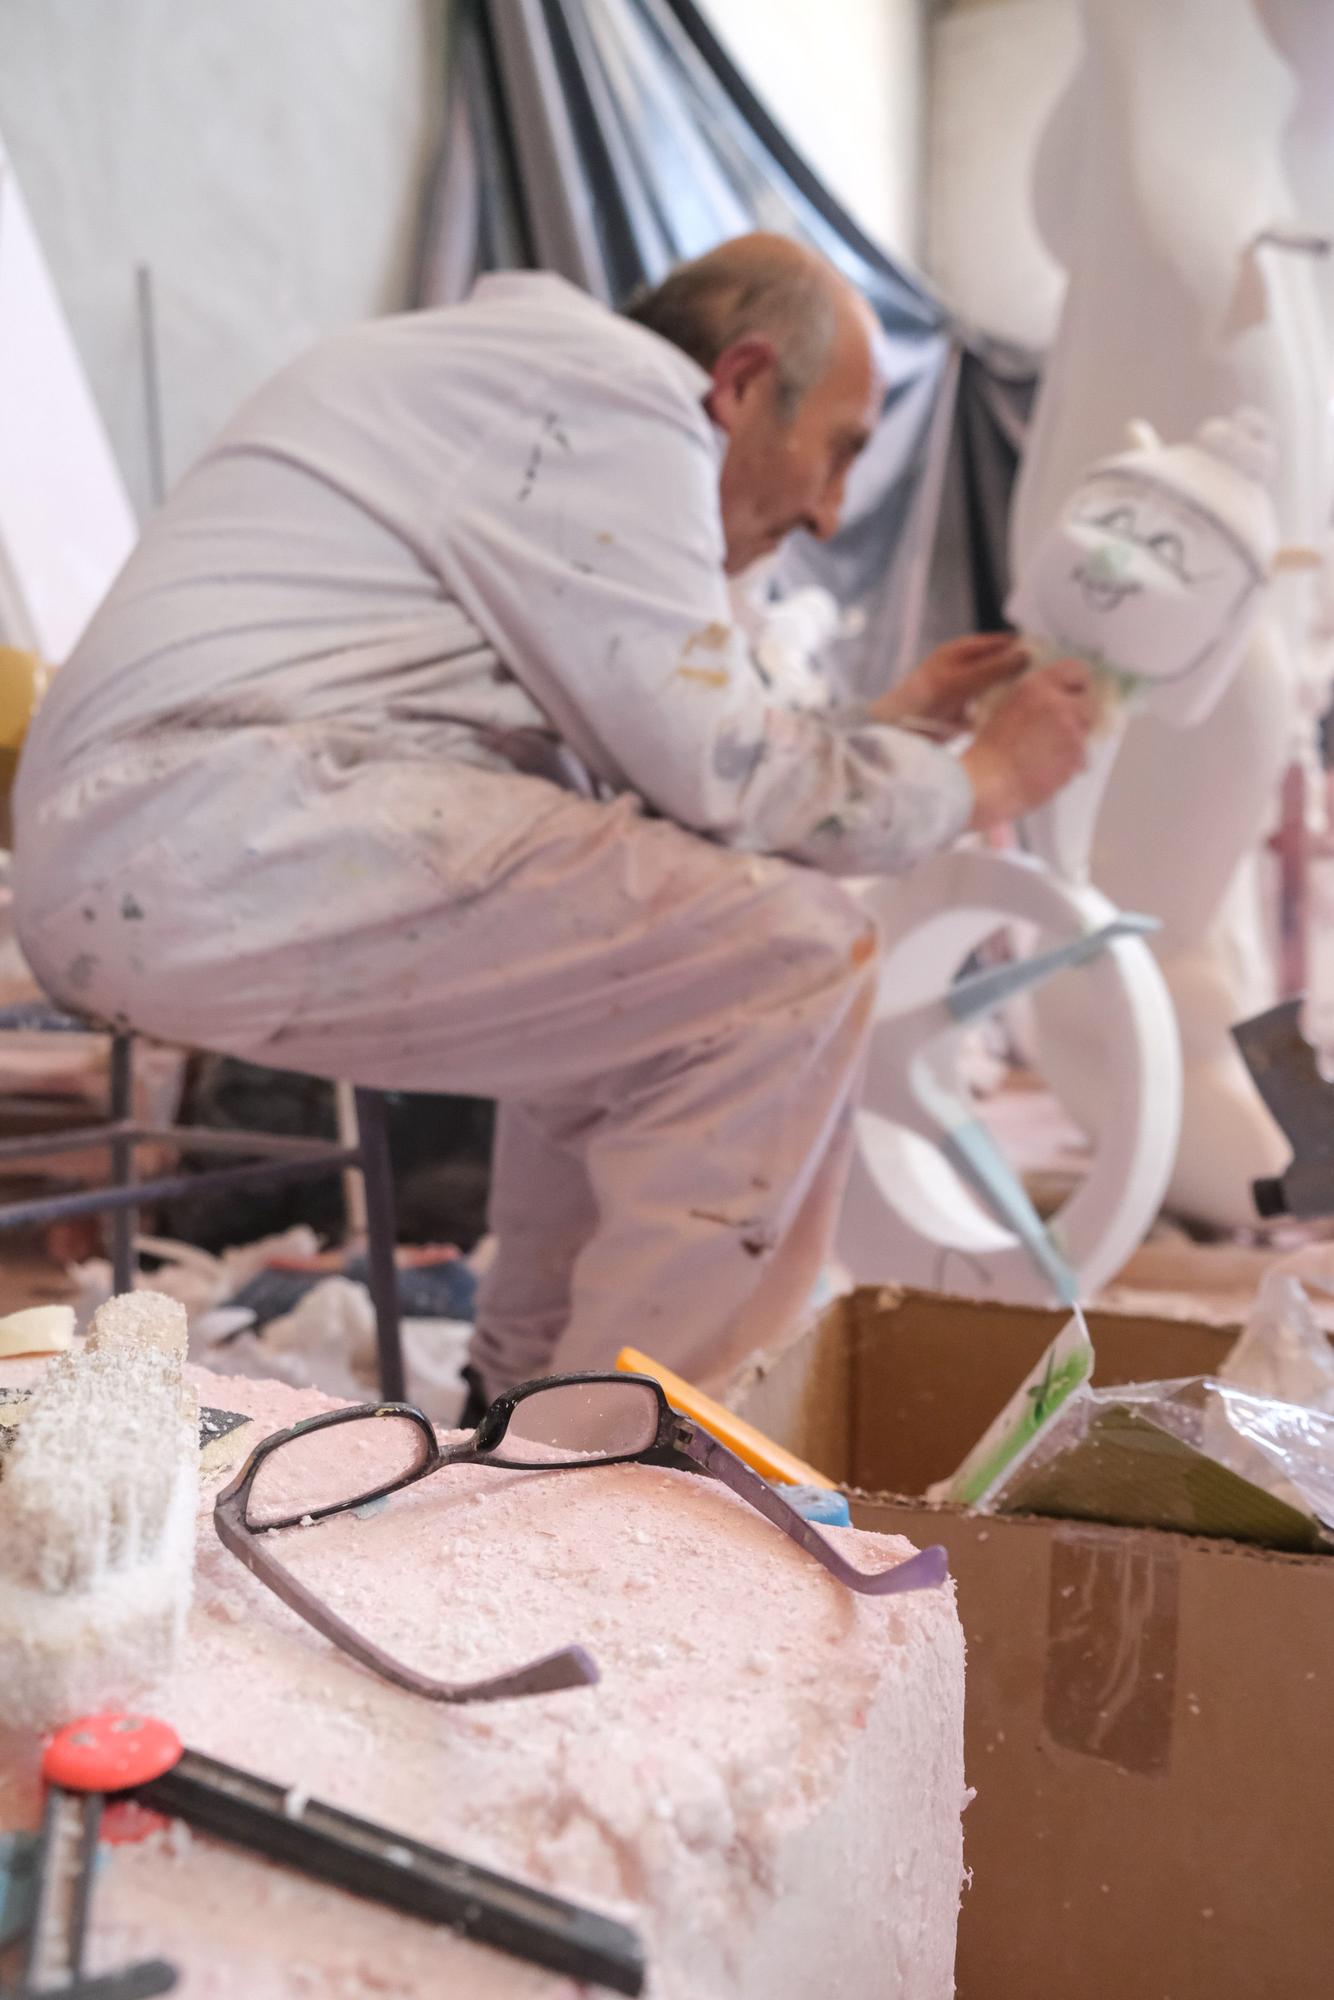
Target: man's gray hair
[704,306]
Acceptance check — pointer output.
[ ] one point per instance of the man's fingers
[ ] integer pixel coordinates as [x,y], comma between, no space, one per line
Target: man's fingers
[1071,674]
[983,648]
[1073,682]
[982,671]
[1001,663]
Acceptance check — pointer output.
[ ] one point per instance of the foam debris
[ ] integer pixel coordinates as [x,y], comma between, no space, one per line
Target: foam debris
[97,1505]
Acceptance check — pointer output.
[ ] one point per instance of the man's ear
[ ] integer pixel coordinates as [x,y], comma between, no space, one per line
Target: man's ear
[743,368]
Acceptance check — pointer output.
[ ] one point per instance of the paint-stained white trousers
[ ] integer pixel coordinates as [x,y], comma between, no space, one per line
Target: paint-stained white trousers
[674,1031]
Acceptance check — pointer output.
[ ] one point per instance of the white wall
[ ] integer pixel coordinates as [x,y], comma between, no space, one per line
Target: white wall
[844,78]
[264,157]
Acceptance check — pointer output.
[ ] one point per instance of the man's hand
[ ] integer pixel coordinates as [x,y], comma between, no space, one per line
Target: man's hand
[1032,742]
[947,683]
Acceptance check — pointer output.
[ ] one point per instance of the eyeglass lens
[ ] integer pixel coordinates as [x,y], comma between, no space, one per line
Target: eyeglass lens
[336,1466]
[590,1420]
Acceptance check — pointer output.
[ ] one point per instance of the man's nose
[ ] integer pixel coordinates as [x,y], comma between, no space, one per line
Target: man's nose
[824,517]
[829,511]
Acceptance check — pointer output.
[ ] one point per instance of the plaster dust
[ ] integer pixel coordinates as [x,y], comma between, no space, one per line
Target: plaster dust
[767,1781]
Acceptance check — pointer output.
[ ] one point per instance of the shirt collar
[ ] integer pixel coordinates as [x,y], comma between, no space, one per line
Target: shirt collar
[503,284]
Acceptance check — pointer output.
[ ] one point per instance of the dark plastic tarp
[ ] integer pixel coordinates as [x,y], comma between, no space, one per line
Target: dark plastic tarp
[609,139]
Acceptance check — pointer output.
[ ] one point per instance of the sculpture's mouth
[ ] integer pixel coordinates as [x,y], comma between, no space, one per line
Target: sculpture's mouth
[1103,593]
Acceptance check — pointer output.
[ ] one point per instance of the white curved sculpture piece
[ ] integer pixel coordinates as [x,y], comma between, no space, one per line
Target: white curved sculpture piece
[930,1199]
[1180,196]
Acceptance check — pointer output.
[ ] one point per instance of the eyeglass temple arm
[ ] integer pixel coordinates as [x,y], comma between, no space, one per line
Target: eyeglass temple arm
[570,1667]
[921,1572]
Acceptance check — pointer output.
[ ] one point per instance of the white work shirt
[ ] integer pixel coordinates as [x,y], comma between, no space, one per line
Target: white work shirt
[498,521]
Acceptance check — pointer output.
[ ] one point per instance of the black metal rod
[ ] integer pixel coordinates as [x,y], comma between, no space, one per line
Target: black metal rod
[169,1187]
[381,1229]
[80,1138]
[195,1138]
[388,1867]
[143,1981]
[124,1217]
[262,1145]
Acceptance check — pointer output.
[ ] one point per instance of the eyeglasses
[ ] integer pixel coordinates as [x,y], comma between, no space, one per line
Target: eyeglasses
[347,1459]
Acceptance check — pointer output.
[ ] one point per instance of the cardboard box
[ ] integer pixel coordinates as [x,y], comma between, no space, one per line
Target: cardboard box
[1150,1717]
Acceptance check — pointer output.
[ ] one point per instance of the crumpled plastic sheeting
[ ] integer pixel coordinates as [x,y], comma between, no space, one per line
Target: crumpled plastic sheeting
[1283,1447]
[327,1342]
[195,1278]
[1284,1350]
[1277,1445]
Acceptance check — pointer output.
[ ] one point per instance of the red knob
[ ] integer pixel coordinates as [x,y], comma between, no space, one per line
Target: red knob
[109,1753]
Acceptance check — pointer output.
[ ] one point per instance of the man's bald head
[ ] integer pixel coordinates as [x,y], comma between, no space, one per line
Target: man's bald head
[762,284]
[795,389]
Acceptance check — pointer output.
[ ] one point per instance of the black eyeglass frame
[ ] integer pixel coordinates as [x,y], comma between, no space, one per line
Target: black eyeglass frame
[679,1443]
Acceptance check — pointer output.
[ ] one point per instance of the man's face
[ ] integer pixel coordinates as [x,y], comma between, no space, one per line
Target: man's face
[785,472]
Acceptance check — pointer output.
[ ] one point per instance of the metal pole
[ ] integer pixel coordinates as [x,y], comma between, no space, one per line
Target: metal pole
[168,1187]
[148,356]
[354,1181]
[381,1231]
[122,1164]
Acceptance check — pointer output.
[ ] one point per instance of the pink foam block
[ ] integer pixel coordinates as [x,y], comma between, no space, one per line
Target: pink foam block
[767,1781]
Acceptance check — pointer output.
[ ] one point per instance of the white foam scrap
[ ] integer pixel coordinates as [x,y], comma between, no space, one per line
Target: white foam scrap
[37,1330]
[97,1519]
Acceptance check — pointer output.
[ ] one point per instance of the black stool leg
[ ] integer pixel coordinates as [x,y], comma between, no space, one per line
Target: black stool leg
[123,1220]
[373,1134]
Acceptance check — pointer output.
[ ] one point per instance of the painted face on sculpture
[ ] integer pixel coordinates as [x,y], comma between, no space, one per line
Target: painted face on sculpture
[1140,579]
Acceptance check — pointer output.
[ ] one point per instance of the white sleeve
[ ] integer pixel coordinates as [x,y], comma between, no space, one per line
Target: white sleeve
[585,540]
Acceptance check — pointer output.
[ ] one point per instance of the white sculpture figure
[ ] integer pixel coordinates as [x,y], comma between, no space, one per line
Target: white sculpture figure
[1317,1013]
[931,1199]
[1154,572]
[1195,285]
[1305,35]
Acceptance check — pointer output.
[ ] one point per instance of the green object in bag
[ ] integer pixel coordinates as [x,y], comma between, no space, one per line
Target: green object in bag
[1064,1368]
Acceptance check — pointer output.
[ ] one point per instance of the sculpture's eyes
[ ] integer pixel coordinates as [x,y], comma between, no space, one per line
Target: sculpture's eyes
[1120,521]
[1170,551]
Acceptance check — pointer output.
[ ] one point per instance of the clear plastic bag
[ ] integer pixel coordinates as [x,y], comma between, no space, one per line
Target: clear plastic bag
[1109,1456]
[1284,1350]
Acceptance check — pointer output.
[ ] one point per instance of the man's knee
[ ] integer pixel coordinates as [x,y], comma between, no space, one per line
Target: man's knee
[816,929]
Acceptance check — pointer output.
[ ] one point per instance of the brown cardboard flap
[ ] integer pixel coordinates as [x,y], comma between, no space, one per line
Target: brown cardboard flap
[803,1394]
[890,1389]
[930,1374]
